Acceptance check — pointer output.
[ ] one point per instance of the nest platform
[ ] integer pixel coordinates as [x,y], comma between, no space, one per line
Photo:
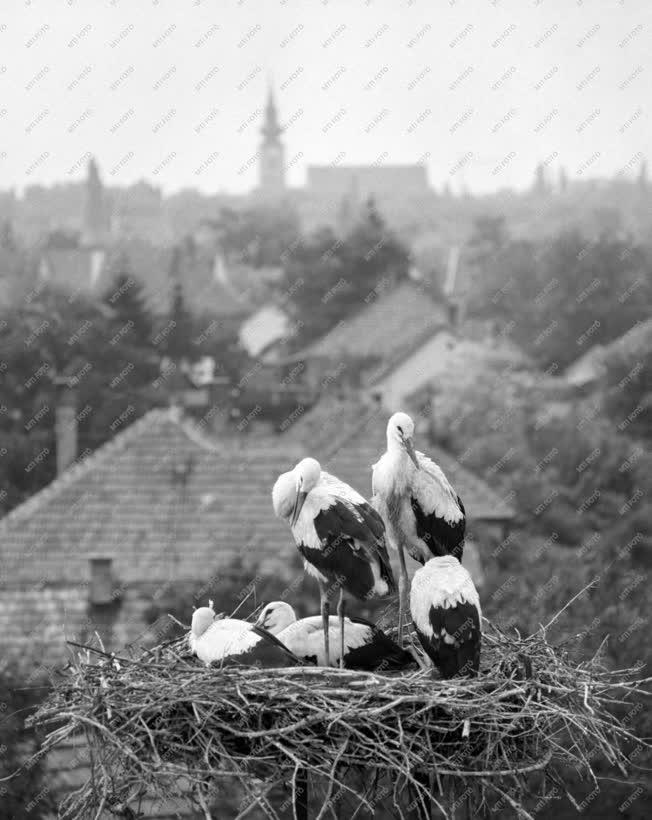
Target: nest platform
[162,724]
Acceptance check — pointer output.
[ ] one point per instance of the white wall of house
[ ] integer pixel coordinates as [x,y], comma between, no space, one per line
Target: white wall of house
[415,371]
[267,325]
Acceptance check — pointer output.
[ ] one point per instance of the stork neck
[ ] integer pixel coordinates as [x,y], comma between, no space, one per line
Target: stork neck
[400,464]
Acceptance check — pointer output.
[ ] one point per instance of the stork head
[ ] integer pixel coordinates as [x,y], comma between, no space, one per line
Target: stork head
[308,471]
[291,489]
[202,618]
[276,616]
[400,434]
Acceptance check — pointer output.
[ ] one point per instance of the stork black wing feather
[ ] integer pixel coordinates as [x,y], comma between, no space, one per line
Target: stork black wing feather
[269,653]
[374,521]
[441,537]
[379,655]
[455,644]
[347,544]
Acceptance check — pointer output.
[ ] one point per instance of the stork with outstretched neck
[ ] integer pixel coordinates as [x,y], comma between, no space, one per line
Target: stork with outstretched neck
[340,536]
[422,512]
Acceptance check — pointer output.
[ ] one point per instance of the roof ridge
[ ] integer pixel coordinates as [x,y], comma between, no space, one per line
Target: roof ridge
[83,466]
[383,294]
[193,431]
[365,417]
[471,475]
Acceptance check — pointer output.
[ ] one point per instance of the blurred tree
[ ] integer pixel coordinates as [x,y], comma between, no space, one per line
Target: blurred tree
[329,278]
[563,295]
[53,336]
[587,279]
[563,180]
[62,239]
[315,276]
[25,791]
[126,297]
[7,237]
[642,175]
[541,180]
[179,326]
[257,236]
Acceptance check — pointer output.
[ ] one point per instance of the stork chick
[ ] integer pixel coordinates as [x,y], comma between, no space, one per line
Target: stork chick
[214,639]
[366,646]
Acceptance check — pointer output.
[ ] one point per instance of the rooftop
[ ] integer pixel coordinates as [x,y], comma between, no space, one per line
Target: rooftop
[392,323]
[162,500]
[347,437]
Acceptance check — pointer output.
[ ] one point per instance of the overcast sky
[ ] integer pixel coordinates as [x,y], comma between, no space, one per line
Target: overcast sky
[172,91]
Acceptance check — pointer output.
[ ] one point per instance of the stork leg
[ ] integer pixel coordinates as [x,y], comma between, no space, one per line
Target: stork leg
[300,795]
[340,613]
[325,618]
[402,591]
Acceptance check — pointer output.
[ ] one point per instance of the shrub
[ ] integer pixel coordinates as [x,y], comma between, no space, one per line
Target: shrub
[28,793]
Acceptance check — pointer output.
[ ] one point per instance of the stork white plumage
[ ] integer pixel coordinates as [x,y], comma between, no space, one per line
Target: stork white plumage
[339,534]
[445,609]
[366,646]
[214,639]
[421,510]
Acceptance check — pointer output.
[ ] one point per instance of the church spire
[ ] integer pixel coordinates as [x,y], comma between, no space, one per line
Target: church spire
[271,129]
[95,216]
[272,151]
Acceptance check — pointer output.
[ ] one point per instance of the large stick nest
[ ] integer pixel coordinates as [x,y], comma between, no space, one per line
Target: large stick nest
[161,723]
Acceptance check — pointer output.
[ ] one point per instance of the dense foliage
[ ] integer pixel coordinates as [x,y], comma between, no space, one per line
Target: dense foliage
[560,296]
[28,793]
[109,351]
[329,277]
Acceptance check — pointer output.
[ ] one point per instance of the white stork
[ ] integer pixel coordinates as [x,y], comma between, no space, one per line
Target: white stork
[421,510]
[366,646]
[214,639]
[446,613]
[340,536]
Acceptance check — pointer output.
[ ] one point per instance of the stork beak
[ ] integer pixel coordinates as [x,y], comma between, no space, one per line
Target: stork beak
[298,504]
[407,443]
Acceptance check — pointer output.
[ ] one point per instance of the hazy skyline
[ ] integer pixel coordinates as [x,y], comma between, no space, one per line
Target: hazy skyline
[173,92]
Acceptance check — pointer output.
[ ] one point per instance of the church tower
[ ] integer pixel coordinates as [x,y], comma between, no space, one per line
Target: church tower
[95,221]
[272,153]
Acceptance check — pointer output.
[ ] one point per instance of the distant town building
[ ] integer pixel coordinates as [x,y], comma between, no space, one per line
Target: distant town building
[338,181]
[272,153]
[344,186]
[75,269]
[96,219]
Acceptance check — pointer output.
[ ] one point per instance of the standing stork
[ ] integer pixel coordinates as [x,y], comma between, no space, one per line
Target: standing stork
[420,508]
[367,647]
[339,534]
[445,608]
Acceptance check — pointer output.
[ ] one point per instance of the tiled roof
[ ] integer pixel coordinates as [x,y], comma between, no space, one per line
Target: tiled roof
[390,326]
[128,501]
[347,437]
[208,286]
[75,268]
[628,348]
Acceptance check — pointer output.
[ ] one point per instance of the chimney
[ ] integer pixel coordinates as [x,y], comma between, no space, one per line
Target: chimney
[453,313]
[451,287]
[104,601]
[65,424]
[100,590]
